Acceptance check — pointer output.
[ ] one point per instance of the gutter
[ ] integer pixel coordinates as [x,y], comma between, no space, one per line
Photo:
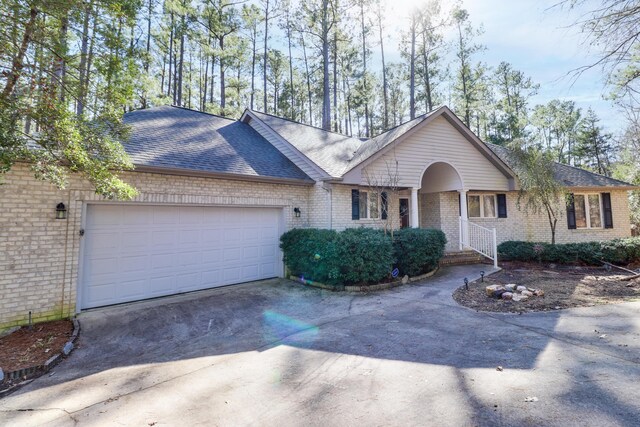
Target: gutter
[220,175]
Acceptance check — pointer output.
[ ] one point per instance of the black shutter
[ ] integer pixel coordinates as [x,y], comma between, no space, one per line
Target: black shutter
[384,204]
[502,205]
[571,213]
[608,213]
[355,204]
[459,205]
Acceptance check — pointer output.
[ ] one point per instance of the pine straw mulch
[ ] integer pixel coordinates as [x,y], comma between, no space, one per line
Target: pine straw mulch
[563,286]
[26,347]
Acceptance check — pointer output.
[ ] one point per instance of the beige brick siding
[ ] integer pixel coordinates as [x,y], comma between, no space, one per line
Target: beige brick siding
[535,227]
[39,254]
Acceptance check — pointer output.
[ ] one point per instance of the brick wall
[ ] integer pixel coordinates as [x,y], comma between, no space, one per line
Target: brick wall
[39,254]
[535,227]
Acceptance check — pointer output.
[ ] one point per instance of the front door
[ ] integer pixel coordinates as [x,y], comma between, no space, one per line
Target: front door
[404,213]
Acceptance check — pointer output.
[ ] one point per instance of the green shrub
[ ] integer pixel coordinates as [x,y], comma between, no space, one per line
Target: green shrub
[418,250]
[310,252]
[618,251]
[364,255]
[358,255]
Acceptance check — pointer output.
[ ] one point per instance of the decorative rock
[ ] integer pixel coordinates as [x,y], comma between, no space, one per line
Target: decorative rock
[519,297]
[495,290]
[527,293]
[507,296]
[539,293]
[533,290]
[67,348]
[405,279]
[510,287]
[521,288]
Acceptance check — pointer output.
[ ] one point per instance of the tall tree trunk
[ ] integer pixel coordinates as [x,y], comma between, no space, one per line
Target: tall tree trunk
[253,66]
[60,62]
[306,66]
[335,81]
[147,56]
[385,96]
[364,72]
[82,68]
[463,78]
[170,76]
[213,78]
[293,103]
[412,71]
[326,101]
[427,78]
[223,101]
[18,61]
[264,58]
[181,69]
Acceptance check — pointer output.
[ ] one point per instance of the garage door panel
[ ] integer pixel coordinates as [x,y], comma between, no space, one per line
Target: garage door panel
[131,289]
[133,252]
[163,285]
[107,215]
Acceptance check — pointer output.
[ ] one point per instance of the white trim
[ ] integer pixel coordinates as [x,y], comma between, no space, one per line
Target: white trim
[83,222]
[587,208]
[482,196]
[419,183]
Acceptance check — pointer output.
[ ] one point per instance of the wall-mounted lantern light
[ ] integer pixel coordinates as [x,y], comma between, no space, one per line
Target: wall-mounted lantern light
[297,212]
[61,211]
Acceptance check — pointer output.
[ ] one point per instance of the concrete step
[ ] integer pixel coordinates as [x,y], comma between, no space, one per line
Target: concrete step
[462,258]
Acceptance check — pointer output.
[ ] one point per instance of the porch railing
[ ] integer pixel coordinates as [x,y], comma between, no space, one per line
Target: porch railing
[479,239]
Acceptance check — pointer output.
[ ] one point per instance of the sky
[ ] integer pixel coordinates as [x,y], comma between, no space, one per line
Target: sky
[536,39]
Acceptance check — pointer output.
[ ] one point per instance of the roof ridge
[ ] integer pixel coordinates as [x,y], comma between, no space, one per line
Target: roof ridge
[303,124]
[183,108]
[422,116]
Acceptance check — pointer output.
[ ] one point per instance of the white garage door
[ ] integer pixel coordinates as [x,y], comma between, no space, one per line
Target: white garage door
[134,252]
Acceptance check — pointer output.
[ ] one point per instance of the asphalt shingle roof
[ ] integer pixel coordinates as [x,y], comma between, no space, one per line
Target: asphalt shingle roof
[174,137]
[330,151]
[567,175]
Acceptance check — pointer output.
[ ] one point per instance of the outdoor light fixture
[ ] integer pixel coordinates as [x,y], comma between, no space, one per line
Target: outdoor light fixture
[482,276]
[297,212]
[466,283]
[61,211]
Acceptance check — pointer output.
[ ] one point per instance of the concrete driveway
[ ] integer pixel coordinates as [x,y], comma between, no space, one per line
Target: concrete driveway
[276,353]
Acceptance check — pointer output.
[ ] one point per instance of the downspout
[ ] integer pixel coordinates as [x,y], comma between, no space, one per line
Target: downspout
[327,187]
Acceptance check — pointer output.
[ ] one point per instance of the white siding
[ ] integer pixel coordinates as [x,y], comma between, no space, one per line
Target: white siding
[437,141]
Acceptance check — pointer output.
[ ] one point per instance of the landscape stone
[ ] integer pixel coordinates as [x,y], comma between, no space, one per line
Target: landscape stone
[507,296]
[521,288]
[510,287]
[527,293]
[405,279]
[539,293]
[492,290]
[67,348]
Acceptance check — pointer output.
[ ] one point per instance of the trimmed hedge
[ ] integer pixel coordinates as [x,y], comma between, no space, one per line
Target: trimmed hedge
[359,255]
[418,250]
[618,251]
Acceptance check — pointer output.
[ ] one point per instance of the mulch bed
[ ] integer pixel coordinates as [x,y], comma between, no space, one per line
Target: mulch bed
[26,347]
[563,287]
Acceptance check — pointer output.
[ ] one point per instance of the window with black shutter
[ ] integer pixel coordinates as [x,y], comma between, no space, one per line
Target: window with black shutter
[502,205]
[571,213]
[355,204]
[384,205]
[607,211]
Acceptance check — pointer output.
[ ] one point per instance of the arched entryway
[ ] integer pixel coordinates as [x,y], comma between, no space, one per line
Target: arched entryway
[440,201]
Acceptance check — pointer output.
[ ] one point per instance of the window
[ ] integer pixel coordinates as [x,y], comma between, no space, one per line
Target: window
[481,205]
[369,205]
[588,209]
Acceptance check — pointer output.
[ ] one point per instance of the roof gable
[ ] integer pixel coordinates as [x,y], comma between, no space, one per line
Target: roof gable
[179,138]
[328,150]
